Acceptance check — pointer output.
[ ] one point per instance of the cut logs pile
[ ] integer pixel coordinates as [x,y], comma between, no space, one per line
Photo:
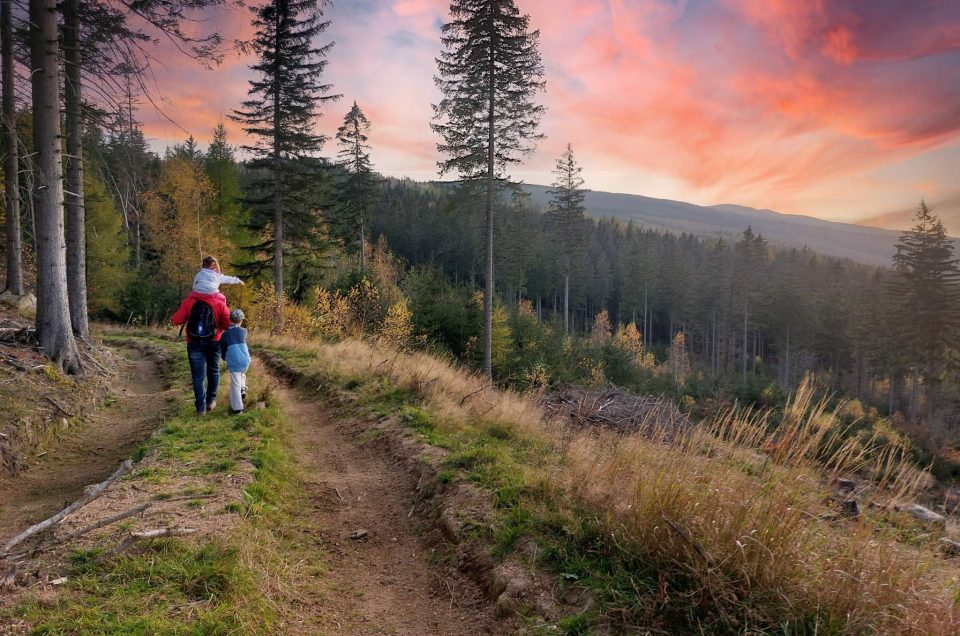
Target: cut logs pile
[12,561]
[617,410]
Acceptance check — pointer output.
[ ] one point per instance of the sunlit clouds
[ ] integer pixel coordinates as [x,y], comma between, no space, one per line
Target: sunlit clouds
[824,108]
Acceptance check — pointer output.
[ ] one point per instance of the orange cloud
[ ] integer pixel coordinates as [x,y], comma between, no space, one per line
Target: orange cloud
[776,103]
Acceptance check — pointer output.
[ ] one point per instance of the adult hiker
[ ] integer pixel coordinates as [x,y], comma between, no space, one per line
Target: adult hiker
[204,317]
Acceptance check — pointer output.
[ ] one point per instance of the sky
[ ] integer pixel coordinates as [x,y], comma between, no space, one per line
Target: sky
[839,109]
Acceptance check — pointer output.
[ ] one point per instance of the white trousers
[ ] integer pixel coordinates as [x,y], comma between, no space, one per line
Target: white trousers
[238,386]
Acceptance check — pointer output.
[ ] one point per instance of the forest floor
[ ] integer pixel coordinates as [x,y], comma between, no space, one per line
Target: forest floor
[89,453]
[297,525]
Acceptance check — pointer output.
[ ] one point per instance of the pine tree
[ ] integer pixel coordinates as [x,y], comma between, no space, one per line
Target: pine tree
[357,189]
[221,167]
[927,290]
[73,175]
[280,115]
[488,73]
[53,310]
[566,220]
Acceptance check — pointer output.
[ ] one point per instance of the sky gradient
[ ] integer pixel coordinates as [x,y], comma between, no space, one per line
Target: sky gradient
[841,109]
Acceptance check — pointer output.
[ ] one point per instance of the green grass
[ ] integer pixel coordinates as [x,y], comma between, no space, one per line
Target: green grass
[227,584]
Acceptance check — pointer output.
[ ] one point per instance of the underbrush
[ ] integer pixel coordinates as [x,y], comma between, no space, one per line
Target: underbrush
[237,579]
[726,528]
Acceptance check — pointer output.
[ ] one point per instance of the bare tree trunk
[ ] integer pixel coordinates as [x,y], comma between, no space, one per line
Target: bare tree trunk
[646,324]
[566,303]
[277,187]
[11,167]
[53,310]
[893,388]
[76,213]
[744,352]
[488,292]
[915,395]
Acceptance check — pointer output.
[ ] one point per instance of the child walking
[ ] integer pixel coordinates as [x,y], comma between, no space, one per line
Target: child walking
[233,345]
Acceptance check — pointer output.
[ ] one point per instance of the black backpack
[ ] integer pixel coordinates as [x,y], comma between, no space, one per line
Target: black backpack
[201,325]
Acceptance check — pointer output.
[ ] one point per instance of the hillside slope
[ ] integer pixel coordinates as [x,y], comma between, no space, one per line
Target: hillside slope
[873,246]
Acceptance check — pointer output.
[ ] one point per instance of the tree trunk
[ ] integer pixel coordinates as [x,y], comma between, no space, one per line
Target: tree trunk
[76,213]
[488,292]
[646,325]
[566,303]
[277,182]
[915,395]
[744,352]
[11,167]
[53,310]
[893,388]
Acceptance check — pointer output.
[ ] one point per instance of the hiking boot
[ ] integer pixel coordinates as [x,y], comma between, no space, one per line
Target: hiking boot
[211,406]
[243,395]
[233,412]
[201,412]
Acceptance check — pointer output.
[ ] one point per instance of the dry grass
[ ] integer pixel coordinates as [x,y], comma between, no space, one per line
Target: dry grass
[728,515]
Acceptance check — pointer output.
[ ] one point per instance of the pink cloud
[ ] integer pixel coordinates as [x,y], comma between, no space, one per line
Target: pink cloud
[777,103]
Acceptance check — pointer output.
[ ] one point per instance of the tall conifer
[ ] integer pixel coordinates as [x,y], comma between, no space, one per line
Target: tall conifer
[488,73]
[927,291]
[280,115]
[566,220]
[356,191]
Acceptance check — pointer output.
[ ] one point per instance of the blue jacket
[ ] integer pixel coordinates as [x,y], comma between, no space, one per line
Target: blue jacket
[233,347]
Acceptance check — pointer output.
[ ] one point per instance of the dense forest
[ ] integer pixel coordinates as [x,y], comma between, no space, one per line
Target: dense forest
[308,221]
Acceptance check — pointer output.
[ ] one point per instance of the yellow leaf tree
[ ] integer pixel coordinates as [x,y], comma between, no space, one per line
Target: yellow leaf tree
[180,229]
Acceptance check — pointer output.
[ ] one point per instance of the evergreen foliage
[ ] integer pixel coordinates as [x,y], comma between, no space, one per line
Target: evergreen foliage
[356,189]
[279,117]
[566,220]
[489,74]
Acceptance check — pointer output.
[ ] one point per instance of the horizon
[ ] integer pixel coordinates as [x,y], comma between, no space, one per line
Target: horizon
[841,113]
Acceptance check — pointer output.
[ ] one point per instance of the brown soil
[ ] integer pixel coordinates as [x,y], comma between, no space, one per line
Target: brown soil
[88,452]
[382,583]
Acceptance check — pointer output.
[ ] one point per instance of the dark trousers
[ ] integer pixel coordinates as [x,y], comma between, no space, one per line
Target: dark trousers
[204,365]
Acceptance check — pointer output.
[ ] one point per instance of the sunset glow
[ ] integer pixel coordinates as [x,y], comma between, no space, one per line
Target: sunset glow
[840,109]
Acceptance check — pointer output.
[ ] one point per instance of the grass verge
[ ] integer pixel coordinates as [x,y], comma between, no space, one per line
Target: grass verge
[238,574]
[726,528]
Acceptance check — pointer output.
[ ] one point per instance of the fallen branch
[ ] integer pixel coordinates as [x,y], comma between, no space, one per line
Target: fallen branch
[95,362]
[59,406]
[470,395]
[106,522]
[162,532]
[92,492]
[16,363]
[146,534]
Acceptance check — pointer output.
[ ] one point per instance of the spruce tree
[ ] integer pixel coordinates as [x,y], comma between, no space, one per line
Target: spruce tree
[926,290]
[566,220]
[488,73]
[356,190]
[53,310]
[280,115]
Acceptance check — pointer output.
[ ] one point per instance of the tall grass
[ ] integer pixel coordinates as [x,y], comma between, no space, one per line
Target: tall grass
[725,527]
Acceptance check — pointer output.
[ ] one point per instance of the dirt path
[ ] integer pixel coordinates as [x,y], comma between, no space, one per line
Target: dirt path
[383,583]
[87,454]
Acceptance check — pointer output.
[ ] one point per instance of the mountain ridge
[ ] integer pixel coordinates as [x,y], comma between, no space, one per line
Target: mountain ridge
[864,244]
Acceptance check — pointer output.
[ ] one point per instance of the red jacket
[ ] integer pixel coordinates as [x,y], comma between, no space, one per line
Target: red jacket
[217,302]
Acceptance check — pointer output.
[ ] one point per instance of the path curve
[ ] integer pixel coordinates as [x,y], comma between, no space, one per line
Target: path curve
[383,583]
[89,452]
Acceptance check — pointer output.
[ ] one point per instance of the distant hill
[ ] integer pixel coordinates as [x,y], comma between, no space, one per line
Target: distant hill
[869,245]
[947,209]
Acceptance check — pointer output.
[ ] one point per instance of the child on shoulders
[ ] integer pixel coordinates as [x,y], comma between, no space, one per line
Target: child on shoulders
[209,278]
